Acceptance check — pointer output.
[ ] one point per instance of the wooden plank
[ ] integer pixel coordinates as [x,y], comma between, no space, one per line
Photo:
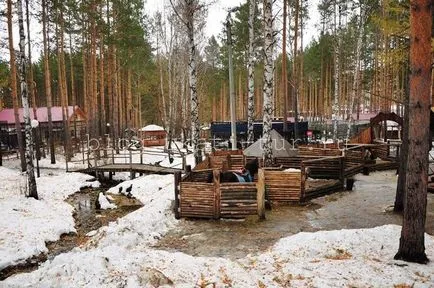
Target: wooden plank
[261,194]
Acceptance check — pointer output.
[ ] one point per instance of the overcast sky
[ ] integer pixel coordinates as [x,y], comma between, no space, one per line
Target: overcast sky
[218,11]
[216,15]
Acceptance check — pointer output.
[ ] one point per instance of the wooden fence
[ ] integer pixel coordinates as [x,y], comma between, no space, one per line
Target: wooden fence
[217,200]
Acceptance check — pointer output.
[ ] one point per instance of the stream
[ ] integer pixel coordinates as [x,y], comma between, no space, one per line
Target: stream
[87,218]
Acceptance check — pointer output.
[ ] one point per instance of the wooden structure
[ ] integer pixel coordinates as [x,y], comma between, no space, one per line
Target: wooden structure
[99,160]
[378,129]
[194,197]
[76,120]
[315,172]
[153,135]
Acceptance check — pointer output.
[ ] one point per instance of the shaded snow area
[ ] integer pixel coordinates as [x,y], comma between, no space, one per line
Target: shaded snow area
[345,258]
[25,223]
[120,255]
[104,202]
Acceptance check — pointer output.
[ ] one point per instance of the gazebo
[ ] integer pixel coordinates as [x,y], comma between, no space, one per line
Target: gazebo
[153,135]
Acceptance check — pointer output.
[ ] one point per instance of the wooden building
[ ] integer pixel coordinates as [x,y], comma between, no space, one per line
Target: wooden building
[153,135]
[76,120]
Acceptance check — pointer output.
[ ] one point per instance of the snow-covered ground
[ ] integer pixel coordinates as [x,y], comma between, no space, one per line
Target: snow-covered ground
[25,223]
[121,254]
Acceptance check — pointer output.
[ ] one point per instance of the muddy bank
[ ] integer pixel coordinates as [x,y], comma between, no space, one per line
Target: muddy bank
[87,218]
[362,208]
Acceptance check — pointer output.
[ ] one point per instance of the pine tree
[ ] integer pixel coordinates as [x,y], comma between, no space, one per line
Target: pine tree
[412,242]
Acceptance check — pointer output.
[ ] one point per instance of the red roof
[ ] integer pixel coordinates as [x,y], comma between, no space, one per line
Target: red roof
[7,115]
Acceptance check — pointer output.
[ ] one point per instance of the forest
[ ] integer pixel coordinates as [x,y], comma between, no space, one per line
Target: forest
[126,67]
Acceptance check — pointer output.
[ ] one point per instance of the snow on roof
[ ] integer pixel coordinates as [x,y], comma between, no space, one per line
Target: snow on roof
[7,115]
[152,127]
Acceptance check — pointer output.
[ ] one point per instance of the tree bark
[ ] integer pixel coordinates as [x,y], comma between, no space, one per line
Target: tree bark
[14,88]
[194,108]
[354,91]
[268,83]
[412,242]
[337,78]
[47,82]
[251,74]
[284,84]
[33,192]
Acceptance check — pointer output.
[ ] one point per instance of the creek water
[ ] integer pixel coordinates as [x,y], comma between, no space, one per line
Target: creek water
[87,218]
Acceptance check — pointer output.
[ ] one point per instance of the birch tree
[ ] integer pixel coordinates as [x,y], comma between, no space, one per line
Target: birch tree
[268,82]
[188,10]
[251,72]
[356,79]
[412,242]
[33,192]
[13,77]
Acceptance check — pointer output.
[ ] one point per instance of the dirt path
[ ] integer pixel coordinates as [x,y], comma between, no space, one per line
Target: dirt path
[365,207]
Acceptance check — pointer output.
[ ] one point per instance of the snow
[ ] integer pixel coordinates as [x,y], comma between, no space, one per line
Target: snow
[152,127]
[292,170]
[104,202]
[121,254]
[25,223]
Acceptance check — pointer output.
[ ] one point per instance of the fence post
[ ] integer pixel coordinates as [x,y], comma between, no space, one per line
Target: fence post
[177,196]
[184,162]
[342,170]
[302,182]
[217,193]
[260,196]
[132,174]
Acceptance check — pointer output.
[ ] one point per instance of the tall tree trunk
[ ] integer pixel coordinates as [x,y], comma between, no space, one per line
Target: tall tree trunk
[295,92]
[14,88]
[354,91]
[102,85]
[337,78]
[32,86]
[284,84]
[195,124]
[47,82]
[251,72]
[268,83]
[412,242]
[33,192]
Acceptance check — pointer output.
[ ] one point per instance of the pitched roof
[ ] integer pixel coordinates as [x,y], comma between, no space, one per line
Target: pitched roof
[280,147]
[152,127]
[7,115]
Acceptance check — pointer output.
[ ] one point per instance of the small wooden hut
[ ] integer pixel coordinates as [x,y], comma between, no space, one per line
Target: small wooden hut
[153,135]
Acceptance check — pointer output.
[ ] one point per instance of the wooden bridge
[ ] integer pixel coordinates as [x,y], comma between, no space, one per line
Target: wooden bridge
[132,168]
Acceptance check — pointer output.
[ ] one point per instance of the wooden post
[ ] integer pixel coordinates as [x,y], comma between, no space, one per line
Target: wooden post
[177,195]
[208,161]
[260,196]
[110,176]
[188,169]
[302,182]
[132,176]
[217,194]
[184,162]
[141,156]
[342,170]
[82,149]
[228,157]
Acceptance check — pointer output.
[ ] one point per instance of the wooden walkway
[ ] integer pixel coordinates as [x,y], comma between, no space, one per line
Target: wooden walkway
[135,168]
